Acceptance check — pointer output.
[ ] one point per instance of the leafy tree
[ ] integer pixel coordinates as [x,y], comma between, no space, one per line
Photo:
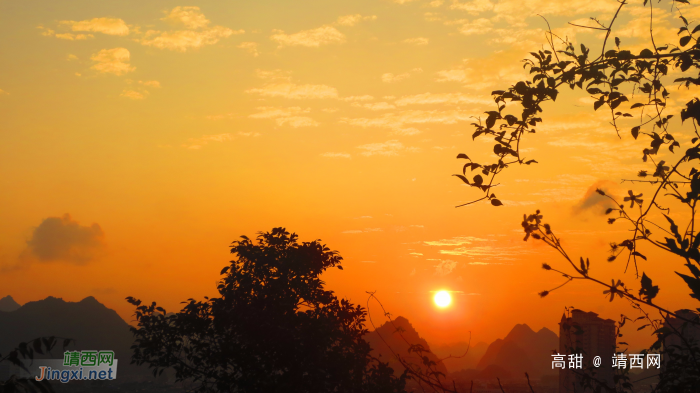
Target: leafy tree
[26,351]
[632,87]
[274,328]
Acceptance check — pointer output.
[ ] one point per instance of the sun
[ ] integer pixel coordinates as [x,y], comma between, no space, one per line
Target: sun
[442,299]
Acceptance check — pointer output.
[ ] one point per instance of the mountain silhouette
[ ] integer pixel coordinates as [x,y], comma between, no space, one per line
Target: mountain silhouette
[522,350]
[92,325]
[459,362]
[392,339]
[8,304]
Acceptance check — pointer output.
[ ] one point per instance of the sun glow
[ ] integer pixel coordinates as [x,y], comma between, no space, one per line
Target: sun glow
[442,299]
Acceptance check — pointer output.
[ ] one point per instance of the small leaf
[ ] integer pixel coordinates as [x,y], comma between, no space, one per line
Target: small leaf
[496,202]
[635,132]
[462,155]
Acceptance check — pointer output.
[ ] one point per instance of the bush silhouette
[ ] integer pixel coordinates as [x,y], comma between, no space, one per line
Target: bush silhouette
[274,327]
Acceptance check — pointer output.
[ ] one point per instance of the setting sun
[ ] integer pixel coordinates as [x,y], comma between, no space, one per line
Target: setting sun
[442,299]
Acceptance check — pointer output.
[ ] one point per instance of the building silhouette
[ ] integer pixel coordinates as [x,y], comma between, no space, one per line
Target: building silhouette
[586,334]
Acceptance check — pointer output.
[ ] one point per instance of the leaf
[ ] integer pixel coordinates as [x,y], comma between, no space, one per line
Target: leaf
[617,41]
[646,53]
[477,180]
[496,202]
[635,132]
[37,346]
[464,179]
[637,105]
[684,40]
[462,155]
[339,267]
[639,255]
[693,284]
[598,104]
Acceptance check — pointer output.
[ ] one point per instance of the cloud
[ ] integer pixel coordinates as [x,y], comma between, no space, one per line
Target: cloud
[455,241]
[445,267]
[197,35]
[109,26]
[352,20]
[473,7]
[313,38]
[182,40]
[416,41]
[366,230]
[391,78]
[269,112]
[398,122]
[457,75]
[190,17]
[289,116]
[134,95]
[442,98]
[518,8]
[64,36]
[198,143]
[592,201]
[375,106]
[357,98]
[250,47]
[294,91]
[112,61]
[388,148]
[155,84]
[476,27]
[335,155]
[63,239]
[297,121]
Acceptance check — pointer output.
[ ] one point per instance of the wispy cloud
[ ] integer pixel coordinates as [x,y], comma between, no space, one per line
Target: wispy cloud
[335,155]
[198,143]
[391,78]
[250,47]
[445,267]
[294,91]
[312,38]
[416,41]
[133,94]
[366,230]
[109,26]
[197,33]
[388,148]
[352,20]
[455,241]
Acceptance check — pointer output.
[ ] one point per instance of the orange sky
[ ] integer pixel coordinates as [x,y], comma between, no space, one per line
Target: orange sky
[166,130]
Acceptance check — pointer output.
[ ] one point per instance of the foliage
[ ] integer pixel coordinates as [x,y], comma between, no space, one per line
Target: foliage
[26,351]
[274,327]
[632,88]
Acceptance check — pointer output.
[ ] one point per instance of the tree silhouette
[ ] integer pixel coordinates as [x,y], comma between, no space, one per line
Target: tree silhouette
[632,87]
[26,351]
[274,328]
